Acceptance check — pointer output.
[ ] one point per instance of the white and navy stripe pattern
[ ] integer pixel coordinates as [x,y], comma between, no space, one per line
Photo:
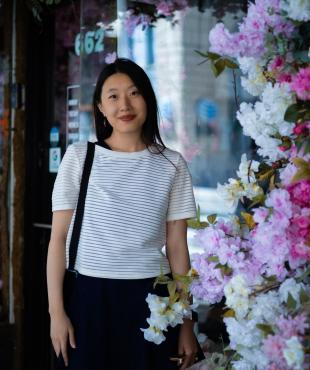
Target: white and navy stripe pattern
[130,197]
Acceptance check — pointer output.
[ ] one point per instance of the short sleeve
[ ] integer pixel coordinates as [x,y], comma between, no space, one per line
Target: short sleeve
[181,199]
[67,184]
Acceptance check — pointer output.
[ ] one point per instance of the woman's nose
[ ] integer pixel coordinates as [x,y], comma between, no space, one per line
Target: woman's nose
[124,103]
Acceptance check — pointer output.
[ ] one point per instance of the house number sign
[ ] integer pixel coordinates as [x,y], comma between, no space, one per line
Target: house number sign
[89,42]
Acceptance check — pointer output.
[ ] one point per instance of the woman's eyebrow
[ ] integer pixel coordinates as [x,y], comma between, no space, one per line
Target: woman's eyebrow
[112,89]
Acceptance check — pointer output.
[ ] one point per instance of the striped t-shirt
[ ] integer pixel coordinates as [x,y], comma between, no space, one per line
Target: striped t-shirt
[130,197]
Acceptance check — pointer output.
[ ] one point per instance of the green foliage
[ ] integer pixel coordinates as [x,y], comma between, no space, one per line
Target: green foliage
[303,172]
[218,63]
[291,303]
[195,223]
[299,111]
[266,329]
[303,296]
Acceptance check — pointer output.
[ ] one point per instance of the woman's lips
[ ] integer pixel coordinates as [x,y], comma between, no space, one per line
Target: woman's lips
[128,117]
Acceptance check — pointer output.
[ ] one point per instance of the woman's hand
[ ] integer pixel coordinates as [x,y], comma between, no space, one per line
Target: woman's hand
[61,329]
[187,344]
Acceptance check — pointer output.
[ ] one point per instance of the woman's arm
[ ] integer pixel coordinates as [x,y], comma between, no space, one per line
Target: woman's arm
[61,327]
[178,256]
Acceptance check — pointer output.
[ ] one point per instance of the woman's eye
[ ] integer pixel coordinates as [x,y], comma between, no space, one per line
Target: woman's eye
[135,92]
[112,96]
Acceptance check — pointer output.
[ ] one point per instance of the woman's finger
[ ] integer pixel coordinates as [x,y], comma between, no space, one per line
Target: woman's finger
[56,346]
[188,360]
[64,352]
[72,337]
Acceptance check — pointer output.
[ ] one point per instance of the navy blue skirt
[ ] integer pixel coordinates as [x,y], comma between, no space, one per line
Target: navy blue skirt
[107,315]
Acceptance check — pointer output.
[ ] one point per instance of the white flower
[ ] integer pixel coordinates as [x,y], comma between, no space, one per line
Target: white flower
[242,365]
[289,286]
[158,321]
[153,335]
[247,169]
[255,357]
[174,318]
[243,333]
[298,10]
[264,120]
[237,296]
[156,303]
[255,81]
[231,192]
[267,307]
[252,190]
[293,353]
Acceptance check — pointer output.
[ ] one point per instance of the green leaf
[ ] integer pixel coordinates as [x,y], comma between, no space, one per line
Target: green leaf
[198,212]
[219,66]
[205,55]
[248,218]
[226,270]
[300,163]
[213,259]
[214,70]
[229,313]
[304,275]
[231,64]
[303,296]
[259,199]
[271,279]
[172,287]
[213,56]
[292,112]
[212,218]
[266,329]
[194,224]
[291,303]
[302,174]
[306,146]
[265,175]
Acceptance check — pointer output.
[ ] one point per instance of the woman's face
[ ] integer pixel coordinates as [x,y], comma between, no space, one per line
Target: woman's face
[122,104]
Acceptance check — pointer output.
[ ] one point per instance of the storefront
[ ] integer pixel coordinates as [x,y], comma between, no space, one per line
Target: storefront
[65,52]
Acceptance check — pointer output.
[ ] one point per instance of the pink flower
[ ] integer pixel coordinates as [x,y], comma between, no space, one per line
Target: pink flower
[273,348]
[221,41]
[292,326]
[279,200]
[260,214]
[301,84]
[273,367]
[277,63]
[288,173]
[302,129]
[300,193]
[284,77]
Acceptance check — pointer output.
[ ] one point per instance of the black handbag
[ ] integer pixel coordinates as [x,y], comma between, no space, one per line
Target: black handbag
[71,273]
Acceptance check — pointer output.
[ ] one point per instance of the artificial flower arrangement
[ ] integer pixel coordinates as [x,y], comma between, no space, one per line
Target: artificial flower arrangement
[258,260]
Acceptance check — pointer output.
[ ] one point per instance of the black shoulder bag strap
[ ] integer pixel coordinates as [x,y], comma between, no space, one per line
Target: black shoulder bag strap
[80,207]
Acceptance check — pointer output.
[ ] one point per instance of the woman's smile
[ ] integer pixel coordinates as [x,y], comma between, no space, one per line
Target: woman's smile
[127,117]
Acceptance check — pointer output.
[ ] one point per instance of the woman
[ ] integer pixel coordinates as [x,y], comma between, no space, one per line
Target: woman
[138,198]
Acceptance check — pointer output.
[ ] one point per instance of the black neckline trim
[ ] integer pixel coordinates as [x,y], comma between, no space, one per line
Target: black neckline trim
[103,144]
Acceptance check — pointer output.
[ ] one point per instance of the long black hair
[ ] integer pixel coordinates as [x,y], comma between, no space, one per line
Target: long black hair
[150,131]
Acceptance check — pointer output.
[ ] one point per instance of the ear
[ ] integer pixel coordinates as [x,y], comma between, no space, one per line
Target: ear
[100,108]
